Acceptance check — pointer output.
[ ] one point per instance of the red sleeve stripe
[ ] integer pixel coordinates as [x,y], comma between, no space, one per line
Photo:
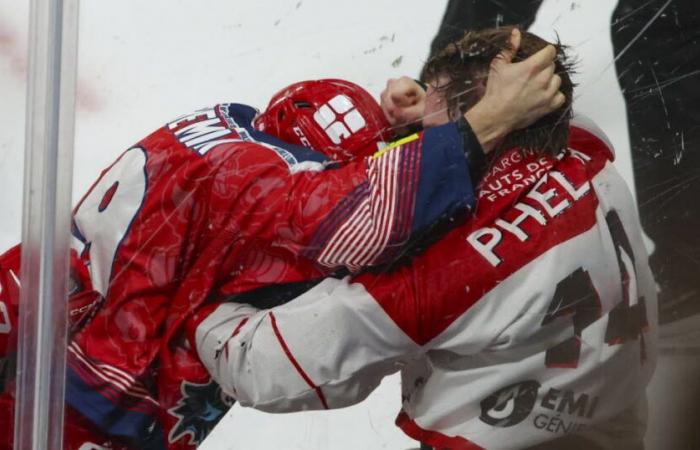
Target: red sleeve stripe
[433,438]
[235,332]
[238,328]
[294,362]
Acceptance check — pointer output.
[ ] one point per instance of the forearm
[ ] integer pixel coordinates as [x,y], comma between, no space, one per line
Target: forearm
[328,348]
[397,193]
[487,126]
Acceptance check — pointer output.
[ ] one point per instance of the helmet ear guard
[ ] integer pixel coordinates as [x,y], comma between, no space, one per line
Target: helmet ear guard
[335,117]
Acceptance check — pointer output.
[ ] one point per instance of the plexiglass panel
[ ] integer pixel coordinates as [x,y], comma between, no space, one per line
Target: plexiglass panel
[15,23]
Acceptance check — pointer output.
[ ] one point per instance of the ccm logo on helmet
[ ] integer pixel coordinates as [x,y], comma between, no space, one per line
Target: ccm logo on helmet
[339,118]
[300,134]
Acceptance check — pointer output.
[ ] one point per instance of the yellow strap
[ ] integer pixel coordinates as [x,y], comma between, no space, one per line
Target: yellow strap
[395,144]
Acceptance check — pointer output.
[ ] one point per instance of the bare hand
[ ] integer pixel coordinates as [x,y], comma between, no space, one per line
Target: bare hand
[517,94]
[403,102]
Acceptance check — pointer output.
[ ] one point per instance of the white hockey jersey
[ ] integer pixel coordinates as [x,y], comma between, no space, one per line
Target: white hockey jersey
[534,320]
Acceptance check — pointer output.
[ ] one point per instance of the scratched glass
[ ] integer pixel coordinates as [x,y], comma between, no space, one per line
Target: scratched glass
[147,65]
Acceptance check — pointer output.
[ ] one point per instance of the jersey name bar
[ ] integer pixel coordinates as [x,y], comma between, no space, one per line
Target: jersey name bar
[485,240]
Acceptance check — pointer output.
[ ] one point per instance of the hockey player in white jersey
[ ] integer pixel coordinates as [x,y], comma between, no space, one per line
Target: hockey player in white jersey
[532,324]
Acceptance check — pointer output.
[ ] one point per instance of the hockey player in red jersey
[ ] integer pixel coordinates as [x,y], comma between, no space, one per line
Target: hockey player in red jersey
[533,324]
[216,209]
[210,207]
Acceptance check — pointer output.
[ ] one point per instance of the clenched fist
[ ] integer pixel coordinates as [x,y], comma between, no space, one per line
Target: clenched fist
[403,103]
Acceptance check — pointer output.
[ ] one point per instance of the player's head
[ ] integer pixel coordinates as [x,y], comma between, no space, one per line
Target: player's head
[335,117]
[459,72]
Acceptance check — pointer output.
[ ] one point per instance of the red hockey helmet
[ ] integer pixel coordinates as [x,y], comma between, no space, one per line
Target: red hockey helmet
[335,117]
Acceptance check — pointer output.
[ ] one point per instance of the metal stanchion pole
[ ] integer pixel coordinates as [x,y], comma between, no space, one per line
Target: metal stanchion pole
[46,223]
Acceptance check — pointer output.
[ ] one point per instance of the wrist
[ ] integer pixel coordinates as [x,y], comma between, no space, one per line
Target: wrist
[487,126]
[476,157]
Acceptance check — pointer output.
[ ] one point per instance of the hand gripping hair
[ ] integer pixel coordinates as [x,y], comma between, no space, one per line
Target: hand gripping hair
[464,65]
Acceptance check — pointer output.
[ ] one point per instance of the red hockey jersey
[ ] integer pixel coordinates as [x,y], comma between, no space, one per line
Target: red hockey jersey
[207,208]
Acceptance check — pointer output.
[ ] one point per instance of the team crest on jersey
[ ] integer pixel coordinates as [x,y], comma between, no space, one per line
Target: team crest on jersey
[560,410]
[510,405]
[199,410]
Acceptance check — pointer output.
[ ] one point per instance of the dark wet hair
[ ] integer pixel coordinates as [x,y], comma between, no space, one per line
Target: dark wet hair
[465,64]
